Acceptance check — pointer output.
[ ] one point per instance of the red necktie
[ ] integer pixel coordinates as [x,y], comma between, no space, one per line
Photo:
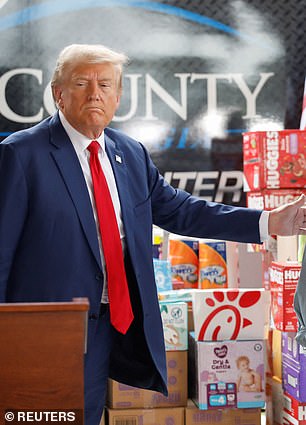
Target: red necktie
[121,314]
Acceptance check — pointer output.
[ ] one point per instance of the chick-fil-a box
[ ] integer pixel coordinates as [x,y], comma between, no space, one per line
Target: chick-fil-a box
[231,314]
[274,159]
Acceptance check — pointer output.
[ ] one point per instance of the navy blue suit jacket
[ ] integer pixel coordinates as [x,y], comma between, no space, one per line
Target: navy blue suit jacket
[48,244]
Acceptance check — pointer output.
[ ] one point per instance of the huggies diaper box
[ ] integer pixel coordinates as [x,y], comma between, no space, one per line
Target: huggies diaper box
[274,159]
[294,411]
[230,314]
[226,374]
[284,278]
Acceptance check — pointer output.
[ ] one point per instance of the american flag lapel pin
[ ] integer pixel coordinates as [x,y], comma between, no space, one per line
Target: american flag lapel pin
[118,159]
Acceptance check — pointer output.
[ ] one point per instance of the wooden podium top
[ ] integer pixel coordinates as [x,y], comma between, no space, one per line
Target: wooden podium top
[77,304]
[42,355]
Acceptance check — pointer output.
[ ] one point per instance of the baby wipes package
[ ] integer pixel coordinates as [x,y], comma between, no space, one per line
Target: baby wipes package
[184,259]
[212,264]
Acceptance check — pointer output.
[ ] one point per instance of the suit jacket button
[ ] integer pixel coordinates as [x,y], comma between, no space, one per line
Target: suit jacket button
[98,276]
[93,317]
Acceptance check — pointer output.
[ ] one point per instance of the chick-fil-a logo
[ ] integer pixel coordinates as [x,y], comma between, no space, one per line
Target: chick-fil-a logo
[227,314]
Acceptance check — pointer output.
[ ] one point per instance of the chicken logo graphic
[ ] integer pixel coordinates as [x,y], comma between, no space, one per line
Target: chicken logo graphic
[226,315]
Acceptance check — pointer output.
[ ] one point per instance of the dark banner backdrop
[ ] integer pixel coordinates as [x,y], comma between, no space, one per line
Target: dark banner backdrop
[200,74]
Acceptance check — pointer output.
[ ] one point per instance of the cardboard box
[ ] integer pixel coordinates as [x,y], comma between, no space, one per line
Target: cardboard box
[226,374]
[294,410]
[277,353]
[121,396]
[161,416]
[268,199]
[231,314]
[274,401]
[277,400]
[274,159]
[195,416]
[283,282]
[175,325]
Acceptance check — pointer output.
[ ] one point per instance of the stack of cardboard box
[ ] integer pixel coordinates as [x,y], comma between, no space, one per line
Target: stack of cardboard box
[129,405]
[275,173]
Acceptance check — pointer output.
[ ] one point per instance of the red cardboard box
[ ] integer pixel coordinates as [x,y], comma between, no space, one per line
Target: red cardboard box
[283,281]
[268,199]
[294,410]
[274,159]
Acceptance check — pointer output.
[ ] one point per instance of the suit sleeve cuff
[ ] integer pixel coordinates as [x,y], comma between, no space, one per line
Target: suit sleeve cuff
[263,226]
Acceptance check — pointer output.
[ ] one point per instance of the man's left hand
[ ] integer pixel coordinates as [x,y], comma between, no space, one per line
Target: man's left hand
[289,219]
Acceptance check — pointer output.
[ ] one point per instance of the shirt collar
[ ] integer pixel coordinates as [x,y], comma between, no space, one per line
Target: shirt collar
[79,141]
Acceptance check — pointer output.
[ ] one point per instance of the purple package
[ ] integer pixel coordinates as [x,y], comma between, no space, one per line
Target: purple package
[294,381]
[292,351]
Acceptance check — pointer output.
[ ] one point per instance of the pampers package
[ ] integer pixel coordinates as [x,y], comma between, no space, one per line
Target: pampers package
[184,259]
[212,264]
[226,374]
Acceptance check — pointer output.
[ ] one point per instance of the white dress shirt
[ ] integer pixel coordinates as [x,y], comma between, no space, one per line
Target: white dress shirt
[80,144]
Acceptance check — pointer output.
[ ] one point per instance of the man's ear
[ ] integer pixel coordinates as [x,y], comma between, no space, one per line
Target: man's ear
[57,95]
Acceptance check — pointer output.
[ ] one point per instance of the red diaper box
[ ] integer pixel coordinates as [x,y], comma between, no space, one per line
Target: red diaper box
[283,281]
[294,412]
[268,199]
[229,314]
[274,159]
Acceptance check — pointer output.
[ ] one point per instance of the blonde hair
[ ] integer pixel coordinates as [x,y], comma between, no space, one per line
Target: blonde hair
[75,54]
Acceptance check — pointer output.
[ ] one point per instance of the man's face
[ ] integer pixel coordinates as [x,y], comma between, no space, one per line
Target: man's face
[89,96]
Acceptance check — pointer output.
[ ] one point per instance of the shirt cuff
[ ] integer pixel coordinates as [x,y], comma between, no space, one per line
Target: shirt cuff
[263,226]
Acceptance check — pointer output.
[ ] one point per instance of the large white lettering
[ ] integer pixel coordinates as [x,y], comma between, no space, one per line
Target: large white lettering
[5,110]
[177,102]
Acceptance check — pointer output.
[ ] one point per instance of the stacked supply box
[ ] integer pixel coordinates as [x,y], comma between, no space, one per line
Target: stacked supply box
[127,403]
[294,411]
[294,367]
[283,282]
[274,165]
[162,416]
[274,159]
[121,396]
[195,416]
[226,357]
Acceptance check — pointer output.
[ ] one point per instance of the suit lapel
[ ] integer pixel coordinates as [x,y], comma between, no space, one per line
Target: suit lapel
[71,171]
[119,167]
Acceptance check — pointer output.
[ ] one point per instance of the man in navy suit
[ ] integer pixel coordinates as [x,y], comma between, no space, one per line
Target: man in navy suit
[50,248]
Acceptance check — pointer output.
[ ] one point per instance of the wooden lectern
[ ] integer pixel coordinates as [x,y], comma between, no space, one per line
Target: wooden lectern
[42,349]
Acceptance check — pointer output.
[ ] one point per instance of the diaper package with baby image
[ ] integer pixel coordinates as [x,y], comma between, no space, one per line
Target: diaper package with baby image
[226,374]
